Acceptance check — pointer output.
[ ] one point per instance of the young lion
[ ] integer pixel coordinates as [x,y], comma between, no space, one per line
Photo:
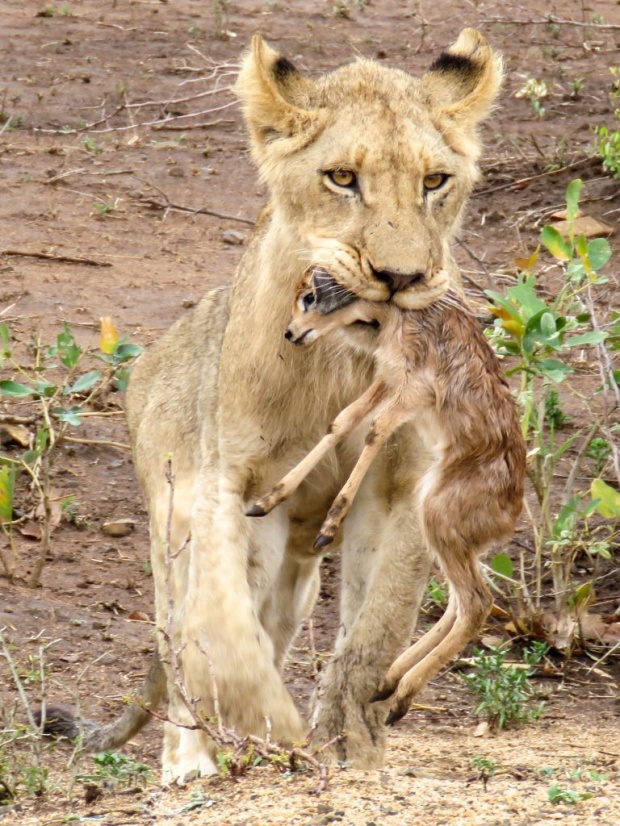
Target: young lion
[434,368]
[369,170]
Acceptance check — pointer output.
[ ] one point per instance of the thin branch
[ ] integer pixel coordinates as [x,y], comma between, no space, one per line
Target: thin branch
[102,442]
[66,259]
[522,182]
[154,204]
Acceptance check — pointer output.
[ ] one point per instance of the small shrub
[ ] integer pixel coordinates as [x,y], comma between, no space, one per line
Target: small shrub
[505,691]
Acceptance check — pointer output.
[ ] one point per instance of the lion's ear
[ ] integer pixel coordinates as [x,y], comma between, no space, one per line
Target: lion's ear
[275,100]
[463,82]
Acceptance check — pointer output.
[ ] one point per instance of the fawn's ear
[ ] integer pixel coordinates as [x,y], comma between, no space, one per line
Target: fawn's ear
[275,99]
[462,84]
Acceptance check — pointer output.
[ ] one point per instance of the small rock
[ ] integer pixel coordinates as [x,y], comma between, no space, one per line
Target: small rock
[231,236]
[119,527]
[107,659]
[139,616]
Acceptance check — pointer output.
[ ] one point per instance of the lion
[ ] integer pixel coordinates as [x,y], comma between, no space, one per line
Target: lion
[369,171]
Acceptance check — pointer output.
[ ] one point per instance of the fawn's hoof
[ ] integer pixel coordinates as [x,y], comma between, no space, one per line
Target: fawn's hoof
[395,715]
[256,510]
[323,541]
[381,694]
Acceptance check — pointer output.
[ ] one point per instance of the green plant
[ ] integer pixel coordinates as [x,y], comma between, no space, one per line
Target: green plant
[103,208]
[541,336]
[437,593]
[599,450]
[113,767]
[607,140]
[534,90]
[61,392]
[559,795]
[22,747]
[505,692]
[554,414]
[92,146]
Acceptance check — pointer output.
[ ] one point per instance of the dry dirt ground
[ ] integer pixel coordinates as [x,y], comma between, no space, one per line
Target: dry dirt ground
[112,192]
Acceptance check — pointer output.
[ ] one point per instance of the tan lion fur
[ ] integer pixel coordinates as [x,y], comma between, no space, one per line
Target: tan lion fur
[236,406]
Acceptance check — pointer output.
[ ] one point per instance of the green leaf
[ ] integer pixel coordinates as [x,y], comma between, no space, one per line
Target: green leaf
[124,352]
[553,369]
[599,253]
[593,337]
[573,192]
[85,382]
[45,388]
[69,351]
[547,325]
[608,499]
[557,245]
[7,483]
[70,415]
[121,379]
[502,565]
[15,390]
[524,294]
[5,342]
[41,441]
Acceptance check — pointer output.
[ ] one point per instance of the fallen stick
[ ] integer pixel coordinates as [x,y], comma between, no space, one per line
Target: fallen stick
[65,259]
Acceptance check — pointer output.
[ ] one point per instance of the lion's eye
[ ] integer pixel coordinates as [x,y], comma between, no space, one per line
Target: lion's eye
[435,181]
[342,177]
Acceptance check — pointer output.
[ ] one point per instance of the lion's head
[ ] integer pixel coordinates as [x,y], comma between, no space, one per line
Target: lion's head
[370,166]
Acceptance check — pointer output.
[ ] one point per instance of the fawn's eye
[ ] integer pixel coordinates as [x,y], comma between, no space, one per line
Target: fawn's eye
[434,181]
[342,177]
[307,301]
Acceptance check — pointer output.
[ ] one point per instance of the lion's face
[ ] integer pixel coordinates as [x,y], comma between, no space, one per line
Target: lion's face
[370,166]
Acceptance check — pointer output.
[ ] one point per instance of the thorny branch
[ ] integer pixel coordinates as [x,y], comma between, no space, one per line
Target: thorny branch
[164,117]
[223,736]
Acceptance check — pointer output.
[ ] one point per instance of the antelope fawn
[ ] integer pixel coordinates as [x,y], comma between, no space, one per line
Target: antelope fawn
[435,370]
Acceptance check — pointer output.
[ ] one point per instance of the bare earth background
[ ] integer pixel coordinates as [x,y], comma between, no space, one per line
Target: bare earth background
[104,194]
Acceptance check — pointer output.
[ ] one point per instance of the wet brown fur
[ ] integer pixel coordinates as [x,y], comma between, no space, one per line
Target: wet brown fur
[436,370]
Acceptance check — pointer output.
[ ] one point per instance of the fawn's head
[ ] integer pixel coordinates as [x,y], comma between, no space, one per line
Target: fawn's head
[321,306]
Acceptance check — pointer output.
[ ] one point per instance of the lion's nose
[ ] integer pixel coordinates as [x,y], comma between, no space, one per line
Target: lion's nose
[397,281]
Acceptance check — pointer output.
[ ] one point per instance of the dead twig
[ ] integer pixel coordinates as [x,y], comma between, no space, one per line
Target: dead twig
[101,442]
[169,205]
[523,182]
[65,259]
[553,20]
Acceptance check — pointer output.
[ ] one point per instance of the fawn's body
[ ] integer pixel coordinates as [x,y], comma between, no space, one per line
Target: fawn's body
[435,369]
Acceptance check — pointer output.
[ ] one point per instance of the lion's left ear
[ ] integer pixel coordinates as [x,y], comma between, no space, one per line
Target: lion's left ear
[275,102]
[462,84]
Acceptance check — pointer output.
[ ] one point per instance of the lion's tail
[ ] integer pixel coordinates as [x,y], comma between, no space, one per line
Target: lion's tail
[61,722]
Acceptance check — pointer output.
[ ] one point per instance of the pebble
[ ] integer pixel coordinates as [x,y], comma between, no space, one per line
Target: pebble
[231,236]
[119,527]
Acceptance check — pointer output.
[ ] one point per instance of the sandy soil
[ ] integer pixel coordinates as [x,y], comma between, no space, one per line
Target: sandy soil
[128,196]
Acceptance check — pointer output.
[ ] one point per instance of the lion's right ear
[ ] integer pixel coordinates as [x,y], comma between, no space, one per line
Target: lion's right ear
[462,84]
[275,100]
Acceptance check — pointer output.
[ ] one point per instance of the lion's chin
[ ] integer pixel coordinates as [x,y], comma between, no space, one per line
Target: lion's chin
[423,295]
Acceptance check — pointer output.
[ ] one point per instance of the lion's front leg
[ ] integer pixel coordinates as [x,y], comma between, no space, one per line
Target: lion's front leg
[221,645]
[385,570]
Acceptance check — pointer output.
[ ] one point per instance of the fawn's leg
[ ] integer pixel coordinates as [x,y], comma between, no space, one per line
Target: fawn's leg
[417,652]
[473,602]
[380,430]
[346,421]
